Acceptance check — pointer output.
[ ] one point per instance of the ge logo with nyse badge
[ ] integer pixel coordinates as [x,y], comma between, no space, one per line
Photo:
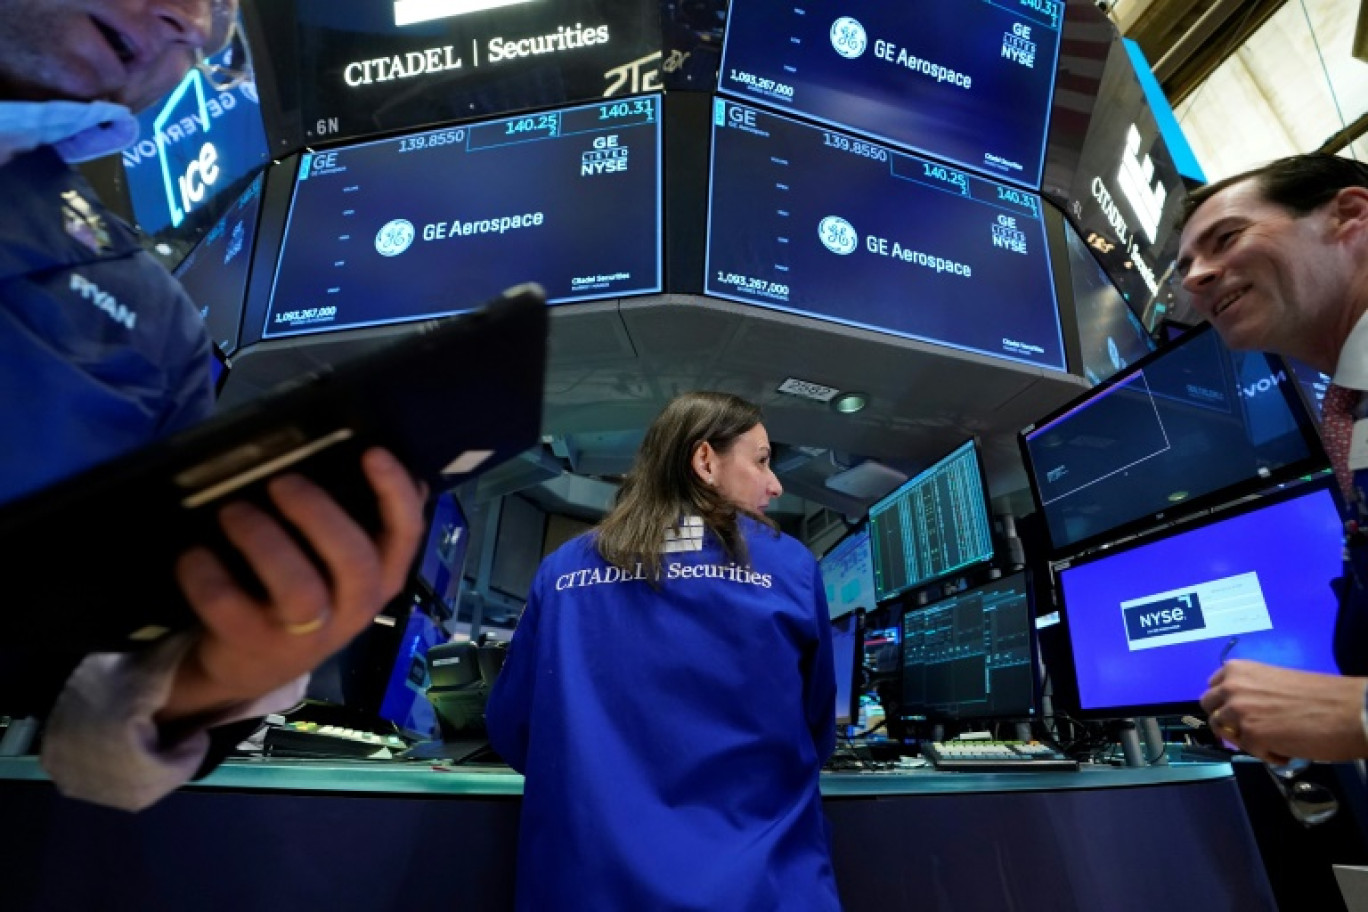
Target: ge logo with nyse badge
[394,238]
[838,235]
[848,37]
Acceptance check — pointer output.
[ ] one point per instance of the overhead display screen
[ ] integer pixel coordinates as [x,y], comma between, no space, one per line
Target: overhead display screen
[435,223]
[349,68]
[1110,335]
[817,222]
[216,271]
[968,81]
[203,138]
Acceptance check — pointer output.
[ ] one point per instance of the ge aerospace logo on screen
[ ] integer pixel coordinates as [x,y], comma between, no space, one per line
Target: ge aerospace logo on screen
[848,37]
[394,237]
[838,235]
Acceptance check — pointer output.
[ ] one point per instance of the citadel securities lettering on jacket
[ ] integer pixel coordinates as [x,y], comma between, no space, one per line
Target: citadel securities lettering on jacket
[672,737]
[90,318]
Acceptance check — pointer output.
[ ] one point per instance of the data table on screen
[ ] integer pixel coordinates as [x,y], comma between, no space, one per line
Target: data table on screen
[813,221]
[436,222]
[968,81]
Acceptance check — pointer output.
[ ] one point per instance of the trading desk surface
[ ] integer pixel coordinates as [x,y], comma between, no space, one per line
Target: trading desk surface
[436,778]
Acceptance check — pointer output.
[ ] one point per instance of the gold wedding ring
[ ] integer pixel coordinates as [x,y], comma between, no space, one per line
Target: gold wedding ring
[305,628]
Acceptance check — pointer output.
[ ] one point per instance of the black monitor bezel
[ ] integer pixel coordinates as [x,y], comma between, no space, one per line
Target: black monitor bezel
[1287,474]
[856,616]
[1025,577]
[1323,481]
[884,599]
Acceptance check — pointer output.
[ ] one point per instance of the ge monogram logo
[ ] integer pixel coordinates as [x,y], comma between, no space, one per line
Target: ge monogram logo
[394,238]
[848,37]
[837,235]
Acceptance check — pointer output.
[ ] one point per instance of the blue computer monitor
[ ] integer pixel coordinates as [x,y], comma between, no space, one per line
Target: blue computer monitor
[848,574]
[847,651]
[1148,623]
[971,655]
[935,524]
[405,702]
[1188,427]
[442,564]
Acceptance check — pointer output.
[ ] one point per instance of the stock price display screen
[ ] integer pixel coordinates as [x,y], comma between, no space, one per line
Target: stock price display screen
[820,223]
[362,66]
[969,81]
[435,223]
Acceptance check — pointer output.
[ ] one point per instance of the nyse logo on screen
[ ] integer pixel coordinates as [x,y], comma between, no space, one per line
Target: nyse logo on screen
[1161,617]
[606,157]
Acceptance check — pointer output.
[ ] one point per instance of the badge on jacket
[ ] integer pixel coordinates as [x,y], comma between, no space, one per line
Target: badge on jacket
[82,222]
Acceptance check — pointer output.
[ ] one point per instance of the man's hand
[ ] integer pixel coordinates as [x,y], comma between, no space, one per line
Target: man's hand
[250,647]
[1276,713]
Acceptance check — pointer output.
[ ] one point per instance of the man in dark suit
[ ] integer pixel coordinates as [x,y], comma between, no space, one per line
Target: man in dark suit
[1277,259]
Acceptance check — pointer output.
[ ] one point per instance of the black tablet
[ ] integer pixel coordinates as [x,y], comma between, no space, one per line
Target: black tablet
[88,562]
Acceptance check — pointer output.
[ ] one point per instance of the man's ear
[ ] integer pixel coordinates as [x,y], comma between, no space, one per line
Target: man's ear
[1349,208]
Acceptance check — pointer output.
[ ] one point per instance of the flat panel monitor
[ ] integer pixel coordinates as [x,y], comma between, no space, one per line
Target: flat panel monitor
[215,273]
[1312,383]
[404,702]
[441,566]
[348,68]
[934,524]
[847,652]
[1147,623]
[1191,426]
[881,641]
[971,655]
[812,221]
[203,139]
[968,81]
[848,574]
[399,229]
[1110,335]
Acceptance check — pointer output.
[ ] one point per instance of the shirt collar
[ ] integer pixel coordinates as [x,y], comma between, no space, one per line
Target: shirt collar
[1352,368]
[78,130]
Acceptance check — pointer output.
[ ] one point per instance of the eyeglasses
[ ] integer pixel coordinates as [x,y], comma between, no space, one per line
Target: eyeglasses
[1310,803]
[223,30]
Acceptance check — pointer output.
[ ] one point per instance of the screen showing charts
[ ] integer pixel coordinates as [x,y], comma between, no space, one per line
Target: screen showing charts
[934,524]
[215,273]
[1148,625]
[848,574]
[969,656]
[816,222]
[1191,426]
[435,223]
[968,81]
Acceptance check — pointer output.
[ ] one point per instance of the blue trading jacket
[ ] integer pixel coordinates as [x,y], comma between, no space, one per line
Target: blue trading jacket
[101,351]
[672,739]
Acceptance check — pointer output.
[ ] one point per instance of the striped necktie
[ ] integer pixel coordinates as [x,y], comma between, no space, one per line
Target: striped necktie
[1337,430]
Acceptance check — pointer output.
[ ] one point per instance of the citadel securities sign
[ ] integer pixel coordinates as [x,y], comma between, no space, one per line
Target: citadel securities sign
[356,67]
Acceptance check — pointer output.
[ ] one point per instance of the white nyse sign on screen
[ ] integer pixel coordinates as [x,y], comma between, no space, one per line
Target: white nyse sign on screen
[1134,178]
[409,12]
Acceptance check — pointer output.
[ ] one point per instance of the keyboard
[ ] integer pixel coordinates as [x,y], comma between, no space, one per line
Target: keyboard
[311,740]
[996,757]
